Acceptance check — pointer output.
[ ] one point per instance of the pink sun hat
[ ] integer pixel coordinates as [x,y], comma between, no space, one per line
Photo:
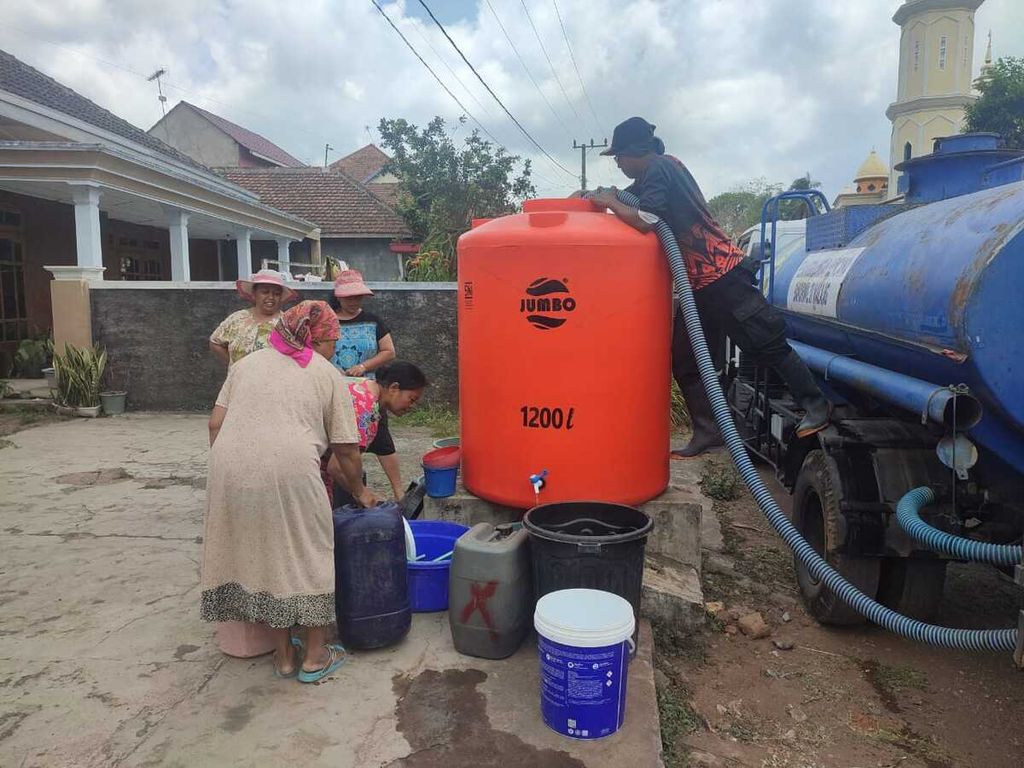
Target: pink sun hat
[265,277]
[350,283]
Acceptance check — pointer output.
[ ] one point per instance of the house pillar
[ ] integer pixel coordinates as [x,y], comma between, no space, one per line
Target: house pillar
[180,269]
[220,260]
[88,241]
[72,312]
[244,243]
[315,257]
[284,261]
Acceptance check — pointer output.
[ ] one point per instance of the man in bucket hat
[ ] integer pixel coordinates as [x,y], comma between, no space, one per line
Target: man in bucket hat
[727,302]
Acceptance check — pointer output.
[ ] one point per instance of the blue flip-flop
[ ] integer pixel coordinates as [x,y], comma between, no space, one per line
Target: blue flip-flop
[298,662]
[337,658]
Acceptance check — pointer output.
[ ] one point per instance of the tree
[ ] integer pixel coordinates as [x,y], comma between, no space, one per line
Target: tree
[443,187]
[1000,108]
[740,208]
[790,210]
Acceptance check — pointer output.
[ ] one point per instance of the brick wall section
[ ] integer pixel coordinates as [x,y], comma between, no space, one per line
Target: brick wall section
[157,337]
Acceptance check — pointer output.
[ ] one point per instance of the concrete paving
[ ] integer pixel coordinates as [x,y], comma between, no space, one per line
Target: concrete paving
[105,662]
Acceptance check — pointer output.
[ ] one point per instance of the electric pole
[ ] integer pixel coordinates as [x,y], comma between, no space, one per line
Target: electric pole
[583,158]
[159,88]
[327,148]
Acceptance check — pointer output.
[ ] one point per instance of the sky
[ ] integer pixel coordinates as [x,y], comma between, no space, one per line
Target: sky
[739,89]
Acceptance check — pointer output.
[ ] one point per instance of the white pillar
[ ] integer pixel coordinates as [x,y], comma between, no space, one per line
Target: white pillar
[180,271]
[88,240]
[220,260]
[284,261]
[244,243]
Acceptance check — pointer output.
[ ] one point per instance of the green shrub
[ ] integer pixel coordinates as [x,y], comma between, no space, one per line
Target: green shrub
[79,373]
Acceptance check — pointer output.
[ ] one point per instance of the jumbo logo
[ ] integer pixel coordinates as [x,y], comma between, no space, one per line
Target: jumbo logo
[548,303]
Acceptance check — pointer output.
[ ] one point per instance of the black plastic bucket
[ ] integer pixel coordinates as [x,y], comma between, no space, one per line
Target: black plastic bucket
[591,545]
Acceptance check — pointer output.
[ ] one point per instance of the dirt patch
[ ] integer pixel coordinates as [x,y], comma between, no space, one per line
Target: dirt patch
[94,477]
[16,419]
[818,697]
[443,716]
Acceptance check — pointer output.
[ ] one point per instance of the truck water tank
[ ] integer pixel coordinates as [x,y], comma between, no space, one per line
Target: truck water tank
[564,334]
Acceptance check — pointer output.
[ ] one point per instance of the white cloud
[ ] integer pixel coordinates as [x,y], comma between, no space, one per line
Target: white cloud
[738,88]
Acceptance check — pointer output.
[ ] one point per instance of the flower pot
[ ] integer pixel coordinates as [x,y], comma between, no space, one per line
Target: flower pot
[113,402]
[89,412]
[64,410]
[51,377]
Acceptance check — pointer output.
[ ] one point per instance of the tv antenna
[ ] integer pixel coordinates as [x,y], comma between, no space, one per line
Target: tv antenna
[159,88]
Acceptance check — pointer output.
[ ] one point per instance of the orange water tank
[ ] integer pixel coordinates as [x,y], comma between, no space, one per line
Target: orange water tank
[564,357]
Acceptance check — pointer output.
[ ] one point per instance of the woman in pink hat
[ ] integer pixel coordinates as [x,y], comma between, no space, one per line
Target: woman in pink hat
[364,346]
[247,330]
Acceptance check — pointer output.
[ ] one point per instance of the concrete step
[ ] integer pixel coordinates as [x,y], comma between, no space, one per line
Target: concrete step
[677,514]
[672,594]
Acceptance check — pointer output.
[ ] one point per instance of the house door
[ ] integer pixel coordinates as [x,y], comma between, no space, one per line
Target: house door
[13,314]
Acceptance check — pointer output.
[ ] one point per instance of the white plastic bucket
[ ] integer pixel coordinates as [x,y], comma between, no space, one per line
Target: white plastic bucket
[584,638]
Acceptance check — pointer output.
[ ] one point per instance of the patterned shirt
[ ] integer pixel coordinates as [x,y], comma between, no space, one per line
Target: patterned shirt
[359,341]
[669,191]
[242,333]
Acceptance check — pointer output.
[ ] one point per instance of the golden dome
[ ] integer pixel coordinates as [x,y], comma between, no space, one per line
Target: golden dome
[872,168]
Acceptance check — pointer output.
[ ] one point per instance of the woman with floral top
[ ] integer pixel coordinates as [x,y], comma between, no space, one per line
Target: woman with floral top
[397,389]
[247,330]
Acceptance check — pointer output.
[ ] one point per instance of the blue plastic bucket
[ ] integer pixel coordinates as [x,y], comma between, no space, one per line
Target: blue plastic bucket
[428,581]
[440,483]
[584,637]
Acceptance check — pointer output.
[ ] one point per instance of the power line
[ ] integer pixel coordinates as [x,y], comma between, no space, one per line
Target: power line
[424,38]
[527,69]
[432,72]
[483,82]
[550,65]
[572,57]
[445,87]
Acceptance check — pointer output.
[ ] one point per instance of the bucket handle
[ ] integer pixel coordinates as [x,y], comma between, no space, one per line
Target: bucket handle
[632,645]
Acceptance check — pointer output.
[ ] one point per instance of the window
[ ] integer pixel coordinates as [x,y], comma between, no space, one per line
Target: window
[917,54]
[139,259]
[942,52]
[871,187]
[907,151]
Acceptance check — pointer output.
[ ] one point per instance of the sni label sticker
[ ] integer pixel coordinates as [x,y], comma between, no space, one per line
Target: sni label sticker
[815,287]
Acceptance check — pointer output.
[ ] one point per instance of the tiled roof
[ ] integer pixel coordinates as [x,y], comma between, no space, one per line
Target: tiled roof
[29,83]
[251,141]
[386,192]
[334,202]
[363,164]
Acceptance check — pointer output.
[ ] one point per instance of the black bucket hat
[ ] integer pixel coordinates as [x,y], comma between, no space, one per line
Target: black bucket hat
[633,137]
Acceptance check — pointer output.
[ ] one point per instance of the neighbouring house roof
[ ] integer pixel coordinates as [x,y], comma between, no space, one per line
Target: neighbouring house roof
[388,192]
[363,164]
[336,203]
[20,79]
[253,142]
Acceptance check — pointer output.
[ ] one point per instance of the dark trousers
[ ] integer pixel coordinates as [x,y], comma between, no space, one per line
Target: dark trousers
[731,306]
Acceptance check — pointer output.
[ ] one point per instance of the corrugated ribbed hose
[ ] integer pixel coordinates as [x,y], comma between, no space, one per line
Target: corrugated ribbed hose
[908,515]
[965,639]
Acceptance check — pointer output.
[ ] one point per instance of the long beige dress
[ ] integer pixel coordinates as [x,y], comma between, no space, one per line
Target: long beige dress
[268,547]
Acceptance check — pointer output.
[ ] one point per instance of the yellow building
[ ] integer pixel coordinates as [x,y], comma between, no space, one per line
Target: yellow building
[870,185]
[934,85]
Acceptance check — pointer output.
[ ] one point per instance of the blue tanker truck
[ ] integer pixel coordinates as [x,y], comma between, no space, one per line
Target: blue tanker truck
[911,314]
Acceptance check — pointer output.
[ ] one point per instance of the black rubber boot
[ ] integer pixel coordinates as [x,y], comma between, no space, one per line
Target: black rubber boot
[817,410]
[705,431]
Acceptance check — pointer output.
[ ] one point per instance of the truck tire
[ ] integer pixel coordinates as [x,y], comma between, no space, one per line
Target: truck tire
[912,586]
[816,499]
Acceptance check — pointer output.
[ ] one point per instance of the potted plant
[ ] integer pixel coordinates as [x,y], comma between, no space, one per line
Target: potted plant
[114,397]
[33,356]
[79,372]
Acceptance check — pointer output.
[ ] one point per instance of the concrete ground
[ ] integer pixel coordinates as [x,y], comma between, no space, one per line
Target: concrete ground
[104,661]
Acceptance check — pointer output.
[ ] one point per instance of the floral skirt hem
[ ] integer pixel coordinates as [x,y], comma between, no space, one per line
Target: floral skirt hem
[233,602]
